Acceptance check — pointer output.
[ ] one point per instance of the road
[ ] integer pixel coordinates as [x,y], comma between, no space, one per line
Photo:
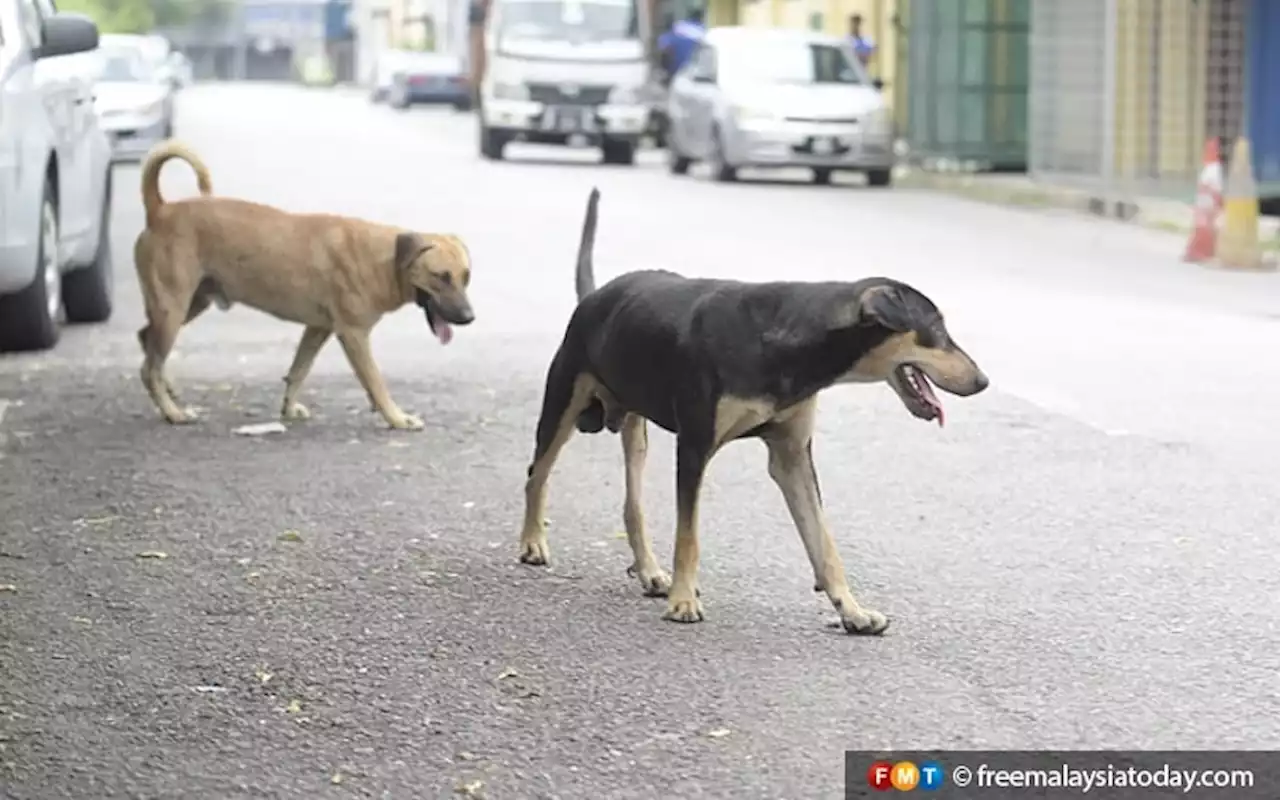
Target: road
[1083,558]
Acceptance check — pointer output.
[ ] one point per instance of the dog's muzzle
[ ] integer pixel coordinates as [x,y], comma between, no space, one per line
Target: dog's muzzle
[441,316]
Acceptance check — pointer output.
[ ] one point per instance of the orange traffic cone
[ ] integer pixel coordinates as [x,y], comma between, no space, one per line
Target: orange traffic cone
[1204,234]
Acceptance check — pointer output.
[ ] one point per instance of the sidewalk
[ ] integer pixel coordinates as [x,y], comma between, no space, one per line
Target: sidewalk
[1022,191]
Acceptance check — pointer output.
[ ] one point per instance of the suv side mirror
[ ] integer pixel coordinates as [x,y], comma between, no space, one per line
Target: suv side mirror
[66,33]
[702,77]
[877,84]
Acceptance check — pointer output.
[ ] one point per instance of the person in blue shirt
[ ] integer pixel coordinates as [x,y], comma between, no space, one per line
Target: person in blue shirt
[863,47]
[678,44]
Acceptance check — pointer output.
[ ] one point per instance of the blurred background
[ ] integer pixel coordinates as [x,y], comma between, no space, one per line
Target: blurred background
[1117,96]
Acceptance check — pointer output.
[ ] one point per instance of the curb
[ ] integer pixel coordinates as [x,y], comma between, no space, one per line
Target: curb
[1019,192]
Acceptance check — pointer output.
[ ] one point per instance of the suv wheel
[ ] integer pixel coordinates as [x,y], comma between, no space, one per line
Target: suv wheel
[616,152]
[87,291]
[29,319]
[491,143]
[721,171]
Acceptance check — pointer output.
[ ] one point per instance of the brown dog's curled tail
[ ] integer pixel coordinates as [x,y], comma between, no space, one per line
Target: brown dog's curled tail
[151,199]
[586,276]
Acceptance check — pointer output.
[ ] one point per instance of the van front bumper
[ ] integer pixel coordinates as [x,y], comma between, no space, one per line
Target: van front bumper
[541,122]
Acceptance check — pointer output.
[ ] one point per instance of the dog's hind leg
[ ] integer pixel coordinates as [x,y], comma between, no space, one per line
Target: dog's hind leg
[635,447]
[200,303]
[567,394]
[356,345]
[312,340]
[157,340]
[791,468]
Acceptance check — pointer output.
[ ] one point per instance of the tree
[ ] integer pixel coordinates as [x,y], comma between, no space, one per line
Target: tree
[142,16]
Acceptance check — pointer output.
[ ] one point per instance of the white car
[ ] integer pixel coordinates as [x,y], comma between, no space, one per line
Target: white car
[55,179]
[165,63]
[134,103]
[759,97]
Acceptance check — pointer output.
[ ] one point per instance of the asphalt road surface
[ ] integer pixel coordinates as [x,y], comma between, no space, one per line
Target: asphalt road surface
[1085,557]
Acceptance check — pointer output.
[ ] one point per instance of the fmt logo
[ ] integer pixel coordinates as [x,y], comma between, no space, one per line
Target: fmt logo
[904,776]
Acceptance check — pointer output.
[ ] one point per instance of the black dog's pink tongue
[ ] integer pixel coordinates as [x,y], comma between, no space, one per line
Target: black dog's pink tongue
[926,391]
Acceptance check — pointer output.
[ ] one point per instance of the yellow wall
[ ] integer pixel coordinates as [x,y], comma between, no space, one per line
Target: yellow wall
[756,13]
[1147,145]
[723,12]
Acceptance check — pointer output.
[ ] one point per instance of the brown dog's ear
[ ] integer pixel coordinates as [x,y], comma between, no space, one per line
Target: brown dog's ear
[886,306]
[408,247]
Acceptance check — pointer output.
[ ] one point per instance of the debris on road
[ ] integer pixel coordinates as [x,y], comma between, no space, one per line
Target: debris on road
[294,707]
[210,689]
[470,789]
[508,673]
[289,536]
[260,429]
[158,555]
[262,675]
[8,587]
[718,733]
[337,778]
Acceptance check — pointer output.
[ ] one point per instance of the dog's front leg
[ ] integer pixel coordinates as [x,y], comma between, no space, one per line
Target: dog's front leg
[791,467]
[312,340]
[355,343]
[635,447]
[692,456]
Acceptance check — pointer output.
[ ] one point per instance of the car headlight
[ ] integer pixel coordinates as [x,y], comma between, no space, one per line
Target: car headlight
[510,91]
[624,96]
[744,112]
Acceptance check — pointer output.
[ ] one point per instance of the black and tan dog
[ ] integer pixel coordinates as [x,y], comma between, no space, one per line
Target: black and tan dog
[335,275]
[714,361]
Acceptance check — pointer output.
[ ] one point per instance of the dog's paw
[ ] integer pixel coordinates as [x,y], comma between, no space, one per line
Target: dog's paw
[683,609]
[181,416]
[407,422]
[654,582]
[535,552]
[297,411]
[863,622]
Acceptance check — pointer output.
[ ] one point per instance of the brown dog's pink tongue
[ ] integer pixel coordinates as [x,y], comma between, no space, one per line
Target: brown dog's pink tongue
[444,332]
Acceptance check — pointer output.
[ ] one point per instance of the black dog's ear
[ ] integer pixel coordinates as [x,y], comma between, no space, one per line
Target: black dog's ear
[886,306]
[408,247]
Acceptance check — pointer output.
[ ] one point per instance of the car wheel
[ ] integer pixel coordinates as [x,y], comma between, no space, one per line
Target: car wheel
[87,291]
[721,171]
[463,104]
[822,177]
[621,153]
[491,143]
[29,319]
[879,177]
[677,162]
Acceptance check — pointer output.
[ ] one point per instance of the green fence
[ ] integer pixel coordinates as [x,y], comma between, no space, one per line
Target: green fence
[963,80]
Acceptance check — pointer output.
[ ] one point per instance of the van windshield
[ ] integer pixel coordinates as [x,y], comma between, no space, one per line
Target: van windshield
[570,20]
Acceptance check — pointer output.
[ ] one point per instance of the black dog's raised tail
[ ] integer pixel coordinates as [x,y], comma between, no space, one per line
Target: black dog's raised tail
[585,280]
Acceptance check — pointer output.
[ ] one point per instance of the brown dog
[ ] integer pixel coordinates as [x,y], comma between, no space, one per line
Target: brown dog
[335,275]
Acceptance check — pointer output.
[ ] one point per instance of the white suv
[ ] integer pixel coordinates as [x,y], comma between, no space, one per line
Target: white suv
[55,179]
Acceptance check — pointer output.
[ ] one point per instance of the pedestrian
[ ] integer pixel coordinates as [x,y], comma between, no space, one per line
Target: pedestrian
[863,47]
[679,43]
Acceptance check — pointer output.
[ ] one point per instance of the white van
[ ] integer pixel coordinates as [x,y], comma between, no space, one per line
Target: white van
[566,72]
